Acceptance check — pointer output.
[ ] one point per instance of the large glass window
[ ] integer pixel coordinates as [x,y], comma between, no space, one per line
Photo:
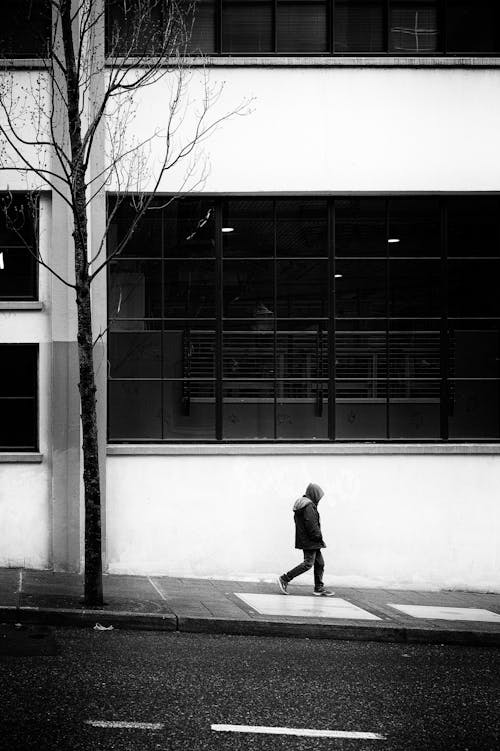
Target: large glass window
[18,265]
[342,27]
[350,318]
[18,397]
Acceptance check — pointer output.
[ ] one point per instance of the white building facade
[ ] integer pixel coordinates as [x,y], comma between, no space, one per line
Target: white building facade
[322,307]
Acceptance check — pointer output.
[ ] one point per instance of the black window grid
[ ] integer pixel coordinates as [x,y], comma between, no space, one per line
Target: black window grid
[27,428]
[388,386]
[216,45]
[26,242]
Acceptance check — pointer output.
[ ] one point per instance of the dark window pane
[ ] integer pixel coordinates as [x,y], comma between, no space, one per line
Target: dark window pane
[474,288]
[302,410]
[144,241]
[302,350]
[18,424]
[18,267]
[200,24]
[247,352]
[473,226]
[361,353]
[134,289]
[414,350]
[18,374]
[360,410]
[473,26]
[248,228]
[248,410]
[17,274]
[189,229]
[302,228]
[414,227]
[189,410]
[189,289]
[134,410]
[247,26]
[302,26]
[302,289]
[413,27]
[248,291]
[360,227]
[474,410]
[142,28]
[359,26]
[134,354]
[414,409]
[18,396]
[188,350]
[360,289]
[415,288]
[474,349]
[25,28]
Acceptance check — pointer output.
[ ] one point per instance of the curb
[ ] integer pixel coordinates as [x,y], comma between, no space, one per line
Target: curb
[213,625]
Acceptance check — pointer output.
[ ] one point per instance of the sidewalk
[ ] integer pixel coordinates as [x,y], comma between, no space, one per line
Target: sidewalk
[253,608]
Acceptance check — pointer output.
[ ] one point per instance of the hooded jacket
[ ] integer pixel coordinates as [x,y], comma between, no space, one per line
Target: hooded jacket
[307,522]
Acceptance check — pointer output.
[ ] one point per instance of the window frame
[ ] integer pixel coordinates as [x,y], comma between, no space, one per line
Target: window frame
[34,296]
[35,348]
[386,5]
[441,323]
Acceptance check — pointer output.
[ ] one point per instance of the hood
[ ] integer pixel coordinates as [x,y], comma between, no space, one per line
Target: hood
[314,493]
[301,503]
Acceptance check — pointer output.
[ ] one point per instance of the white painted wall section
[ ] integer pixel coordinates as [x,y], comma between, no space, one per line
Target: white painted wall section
[337,129]
[408,521]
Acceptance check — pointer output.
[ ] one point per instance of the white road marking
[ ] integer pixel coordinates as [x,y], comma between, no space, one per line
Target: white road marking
[309,607]
[20,586]
[442,613]
[128,725]
[157,588]
[310,732]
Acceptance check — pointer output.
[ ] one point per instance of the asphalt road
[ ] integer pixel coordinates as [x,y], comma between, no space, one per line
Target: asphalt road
[417,697]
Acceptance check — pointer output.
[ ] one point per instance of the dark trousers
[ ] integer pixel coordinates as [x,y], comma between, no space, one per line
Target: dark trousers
[311,558]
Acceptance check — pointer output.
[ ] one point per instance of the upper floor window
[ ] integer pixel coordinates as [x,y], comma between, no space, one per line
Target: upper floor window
[25,28]
[18,247]
[394,27]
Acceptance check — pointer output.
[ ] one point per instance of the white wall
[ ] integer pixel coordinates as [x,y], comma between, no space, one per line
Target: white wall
[341,129]
[409,521]
[25,522]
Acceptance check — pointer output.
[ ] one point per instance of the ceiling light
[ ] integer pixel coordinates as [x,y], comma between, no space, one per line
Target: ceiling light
[227,229]
[338,276]
[2,266]
[393,240]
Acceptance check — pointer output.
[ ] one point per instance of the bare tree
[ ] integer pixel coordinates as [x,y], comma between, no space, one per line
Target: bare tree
[87,93]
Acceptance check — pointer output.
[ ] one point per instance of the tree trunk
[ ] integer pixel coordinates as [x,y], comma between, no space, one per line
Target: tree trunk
[93,594]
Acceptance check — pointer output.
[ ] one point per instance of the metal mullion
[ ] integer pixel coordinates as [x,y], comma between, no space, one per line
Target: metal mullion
[331,26]
[219,290]
[387,330]
[162,329]
[444,354]
[386,26]
[331,320]
[275,324]
[218,26]
[275,26]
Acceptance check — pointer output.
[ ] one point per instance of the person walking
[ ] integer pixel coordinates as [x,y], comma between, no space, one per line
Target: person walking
[309,539]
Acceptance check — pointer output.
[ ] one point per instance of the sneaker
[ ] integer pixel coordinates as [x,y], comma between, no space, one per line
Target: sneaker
[323,592]
[282,584]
